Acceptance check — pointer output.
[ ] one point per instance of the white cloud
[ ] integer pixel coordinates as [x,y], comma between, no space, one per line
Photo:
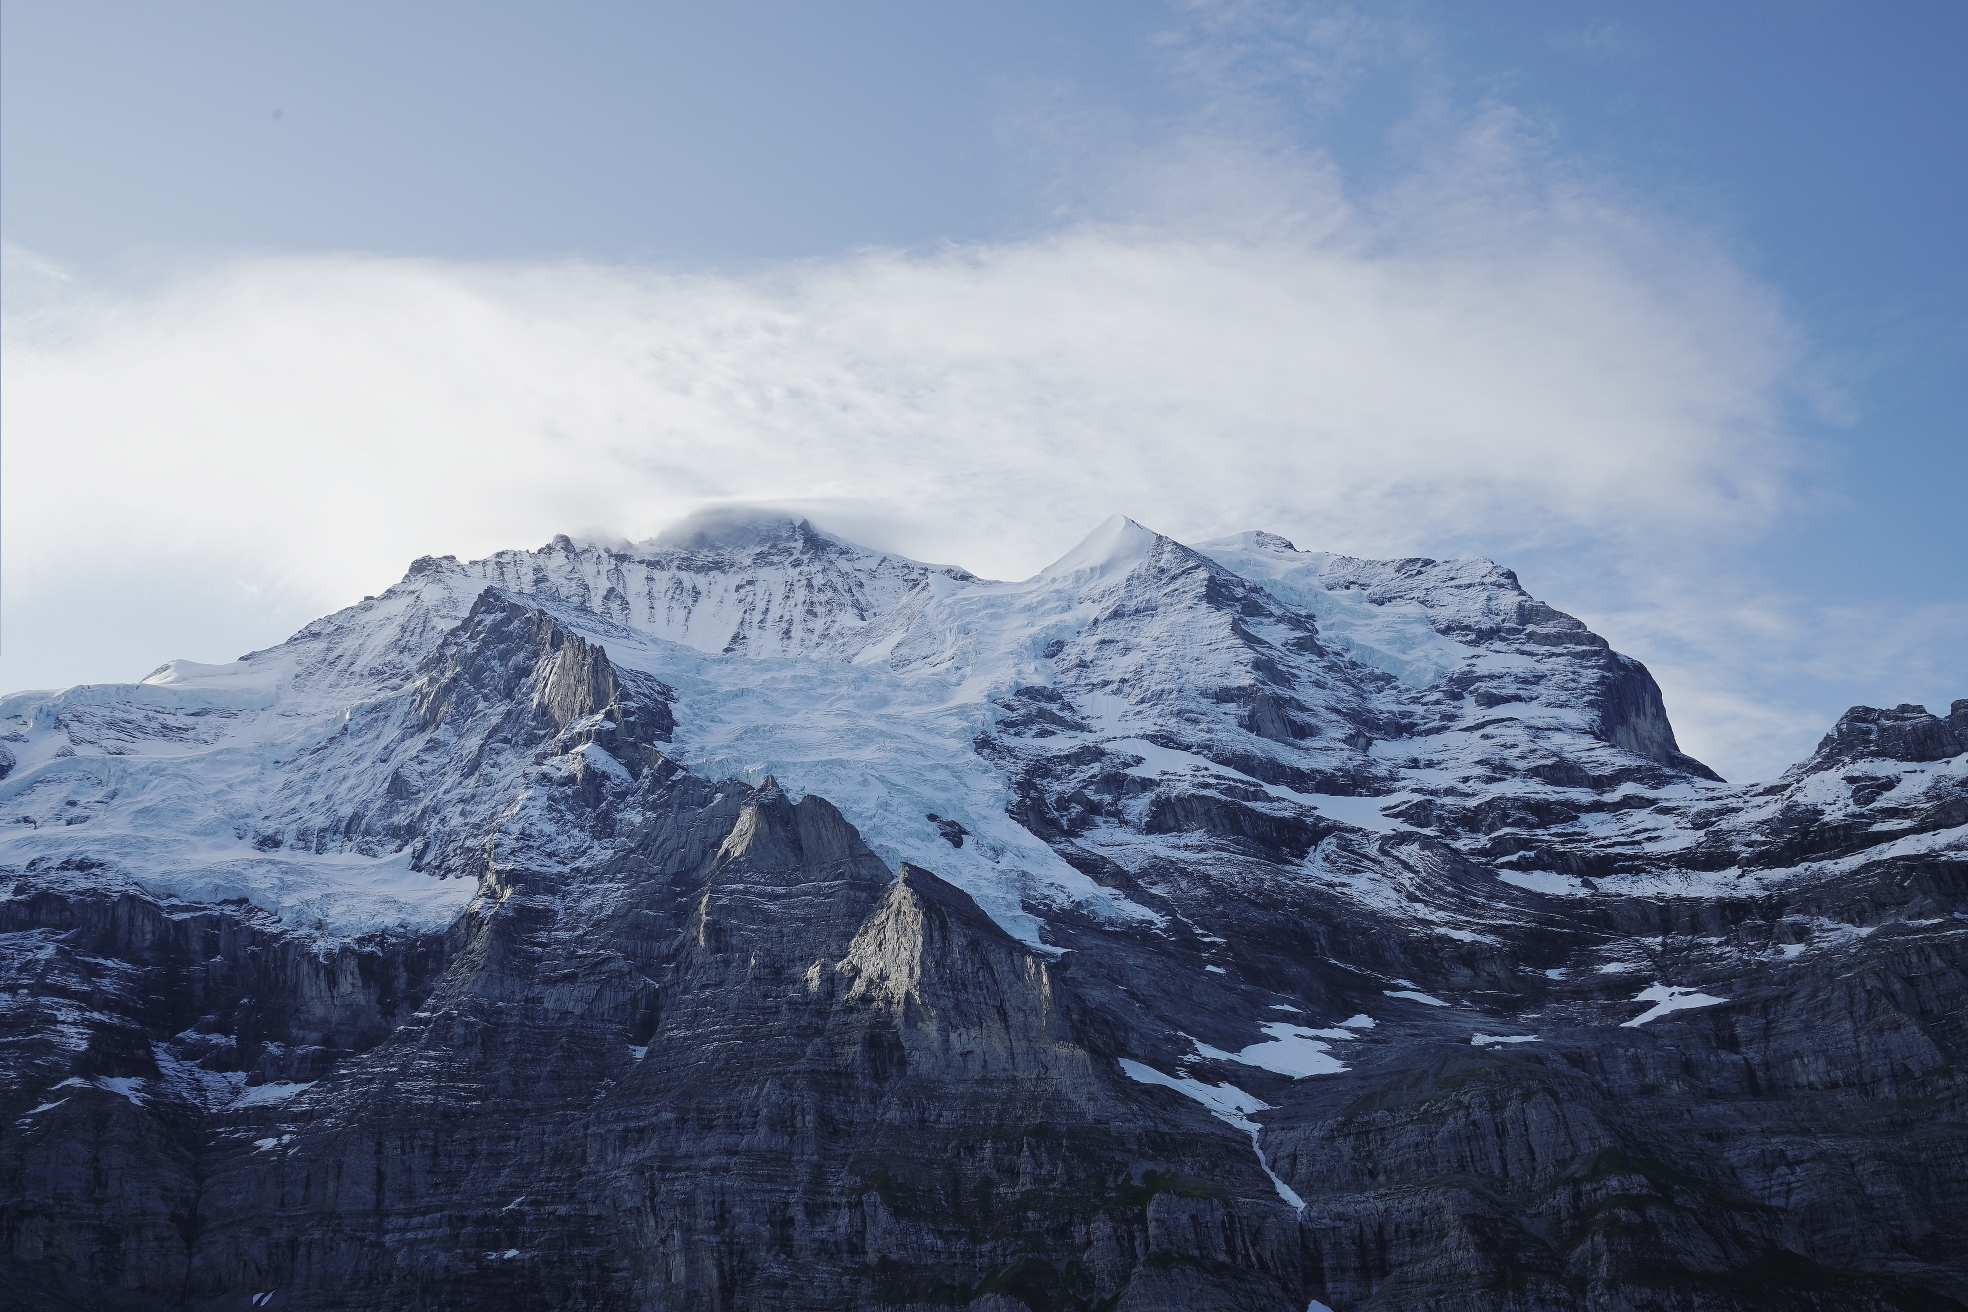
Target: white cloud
[305,426]
[1491,357]
[328,414]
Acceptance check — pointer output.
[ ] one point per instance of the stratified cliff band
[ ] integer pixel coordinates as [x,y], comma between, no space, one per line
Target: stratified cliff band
[748,920]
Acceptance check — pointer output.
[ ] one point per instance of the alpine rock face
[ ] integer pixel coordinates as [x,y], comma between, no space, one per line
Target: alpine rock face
[748,920]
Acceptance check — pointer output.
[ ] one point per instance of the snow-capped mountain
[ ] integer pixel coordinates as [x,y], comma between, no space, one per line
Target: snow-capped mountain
[1302,928]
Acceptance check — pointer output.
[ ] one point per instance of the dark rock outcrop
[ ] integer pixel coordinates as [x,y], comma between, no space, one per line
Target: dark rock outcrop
[1451,987]
[1904,733]
[746,1068]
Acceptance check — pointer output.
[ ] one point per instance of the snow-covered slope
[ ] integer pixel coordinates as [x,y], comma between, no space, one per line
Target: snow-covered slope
[1085,711]
[727,583]
[1290,885]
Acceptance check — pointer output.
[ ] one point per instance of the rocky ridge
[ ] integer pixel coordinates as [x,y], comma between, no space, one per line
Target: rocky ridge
[558,930]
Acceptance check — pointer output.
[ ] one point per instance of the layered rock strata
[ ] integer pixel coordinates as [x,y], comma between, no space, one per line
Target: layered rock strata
[560,931]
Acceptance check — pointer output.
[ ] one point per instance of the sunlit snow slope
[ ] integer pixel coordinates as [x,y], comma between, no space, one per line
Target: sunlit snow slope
[1380,696]
[1183,927]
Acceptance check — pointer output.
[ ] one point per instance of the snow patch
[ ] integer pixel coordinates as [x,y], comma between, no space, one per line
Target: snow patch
[1544,881]
[265,1095]
[1415,995]
[1360,812]
[1228,1104]
[598,759]
[1667,998]
[123,1086]
[1291,1050]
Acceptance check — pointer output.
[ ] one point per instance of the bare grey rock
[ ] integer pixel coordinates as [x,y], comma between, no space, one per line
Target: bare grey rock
[1904,733]
[1443,986]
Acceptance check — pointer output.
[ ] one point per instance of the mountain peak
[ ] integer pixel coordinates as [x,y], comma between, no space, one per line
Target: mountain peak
[736,527]
[1116,546]
[1217,832]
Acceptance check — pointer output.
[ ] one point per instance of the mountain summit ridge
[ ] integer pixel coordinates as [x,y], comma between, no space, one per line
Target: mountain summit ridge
[749,919]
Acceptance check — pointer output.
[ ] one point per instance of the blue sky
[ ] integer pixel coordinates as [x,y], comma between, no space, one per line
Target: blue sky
[1660,304]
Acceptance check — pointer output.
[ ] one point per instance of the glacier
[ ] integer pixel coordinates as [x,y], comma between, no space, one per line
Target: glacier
[749,873]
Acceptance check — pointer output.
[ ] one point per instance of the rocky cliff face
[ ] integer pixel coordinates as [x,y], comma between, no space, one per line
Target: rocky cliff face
[559,931]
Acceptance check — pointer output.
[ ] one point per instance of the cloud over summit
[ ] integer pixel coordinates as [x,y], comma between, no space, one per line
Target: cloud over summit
[1486,357]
